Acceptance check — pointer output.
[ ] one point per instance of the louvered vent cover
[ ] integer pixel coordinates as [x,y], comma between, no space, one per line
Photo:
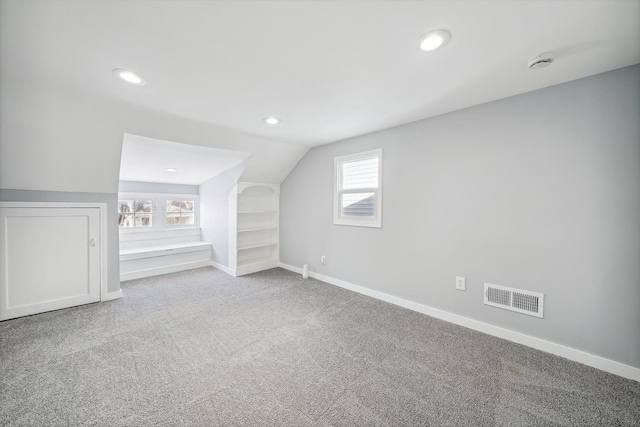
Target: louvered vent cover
[517,300]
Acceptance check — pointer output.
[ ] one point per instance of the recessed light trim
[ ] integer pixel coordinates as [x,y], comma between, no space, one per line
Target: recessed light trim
[130,77]
[434,40]
[171,170]
[271,120]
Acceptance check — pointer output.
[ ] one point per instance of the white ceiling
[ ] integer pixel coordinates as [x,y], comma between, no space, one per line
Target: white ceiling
[329,69]
[146,159]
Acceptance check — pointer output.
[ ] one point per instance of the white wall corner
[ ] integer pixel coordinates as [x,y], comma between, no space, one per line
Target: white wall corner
[221,267]
[573,354]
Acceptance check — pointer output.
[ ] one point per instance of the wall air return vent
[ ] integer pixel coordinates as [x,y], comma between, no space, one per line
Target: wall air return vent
[525,302]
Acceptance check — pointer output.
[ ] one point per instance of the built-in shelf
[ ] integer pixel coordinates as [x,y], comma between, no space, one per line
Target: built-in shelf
[257,229]
[254,261]
[254,242]
[257,245]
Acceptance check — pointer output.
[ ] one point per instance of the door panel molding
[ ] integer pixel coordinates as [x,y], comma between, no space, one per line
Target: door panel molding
[56,237]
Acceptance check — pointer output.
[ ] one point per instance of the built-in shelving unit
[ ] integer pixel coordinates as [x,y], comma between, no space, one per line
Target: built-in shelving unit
[254,227]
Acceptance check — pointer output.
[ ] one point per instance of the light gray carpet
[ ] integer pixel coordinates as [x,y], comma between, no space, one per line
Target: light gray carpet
[202,348]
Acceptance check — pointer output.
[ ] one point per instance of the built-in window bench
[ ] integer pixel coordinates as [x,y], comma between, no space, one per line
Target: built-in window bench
[144,254]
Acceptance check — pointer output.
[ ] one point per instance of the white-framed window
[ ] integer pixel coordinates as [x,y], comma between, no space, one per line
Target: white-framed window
[180,212]
[157,212]
[135,213]
[358,189]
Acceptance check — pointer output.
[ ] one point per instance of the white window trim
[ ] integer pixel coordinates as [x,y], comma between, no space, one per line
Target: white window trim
[376,221]
[138,196]
[159,212]
[196,211]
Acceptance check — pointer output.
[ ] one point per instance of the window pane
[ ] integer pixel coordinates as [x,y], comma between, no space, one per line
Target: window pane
[358,204]
[173,219]
[360,174]
[143,220]
[187,206]
[173,206]
[125,220]
[187,219]
[125,206]
[143,206]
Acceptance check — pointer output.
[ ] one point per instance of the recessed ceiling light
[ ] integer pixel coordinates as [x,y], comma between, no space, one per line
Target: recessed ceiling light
[271,120]
[130,77]
[434,40]
[171,170]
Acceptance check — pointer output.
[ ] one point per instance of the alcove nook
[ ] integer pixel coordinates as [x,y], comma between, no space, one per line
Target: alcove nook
[171,213]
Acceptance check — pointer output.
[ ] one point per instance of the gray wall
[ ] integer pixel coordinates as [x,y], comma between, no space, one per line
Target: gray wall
[540,191]
[155,187]
[214,211]
[113,256]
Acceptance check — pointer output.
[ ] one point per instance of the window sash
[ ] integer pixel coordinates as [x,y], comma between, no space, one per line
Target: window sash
[361,173]
[188,219]
[137,210]
[359,208]
[182,217]
[340,215]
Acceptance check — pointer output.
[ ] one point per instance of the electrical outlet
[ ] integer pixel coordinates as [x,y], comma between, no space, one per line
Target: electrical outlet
[460,283]
[323,259]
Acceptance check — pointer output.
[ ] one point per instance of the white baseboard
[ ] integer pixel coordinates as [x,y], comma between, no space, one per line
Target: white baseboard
[241,270]
[246,269]
[294,268]
[580,356]
[139,274]
[114,295]
[223,268]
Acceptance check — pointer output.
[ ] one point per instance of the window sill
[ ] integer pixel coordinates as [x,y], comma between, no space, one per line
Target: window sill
[356,223]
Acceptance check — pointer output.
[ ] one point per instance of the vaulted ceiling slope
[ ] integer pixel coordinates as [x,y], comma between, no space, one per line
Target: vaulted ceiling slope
[329,70]
[154,160]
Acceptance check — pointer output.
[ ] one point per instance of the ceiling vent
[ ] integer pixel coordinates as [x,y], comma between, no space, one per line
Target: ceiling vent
[525,302]
[541,61]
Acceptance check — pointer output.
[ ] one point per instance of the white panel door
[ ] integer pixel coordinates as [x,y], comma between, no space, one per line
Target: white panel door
[49,259]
